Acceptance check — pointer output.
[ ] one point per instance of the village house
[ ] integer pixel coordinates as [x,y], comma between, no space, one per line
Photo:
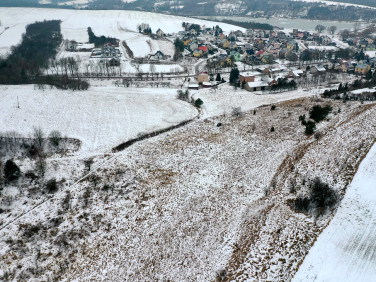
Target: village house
[193,46]
[70,45]
[238,33]
[225,43]
[186,42]
[197,53]
[158,56]
[76,46]
[107,51]
[232,36]
[319,69]
[296,73]
[326,40]
[221,36]
[160,33]
[202,77]
[204,49]
[247,76]
[237,56]
[233,45]
[362,68]
[249,33]
[256,86]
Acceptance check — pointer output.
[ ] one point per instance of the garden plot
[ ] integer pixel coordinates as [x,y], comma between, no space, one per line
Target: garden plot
[101,117]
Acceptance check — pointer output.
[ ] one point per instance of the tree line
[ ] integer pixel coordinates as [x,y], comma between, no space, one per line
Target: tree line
[249,25]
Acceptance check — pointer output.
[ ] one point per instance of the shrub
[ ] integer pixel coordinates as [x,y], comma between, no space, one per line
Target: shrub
[31,175]
[319,113]
[272,129]
[318,135]
[51,186]
[272,108]
[237,111]
[321,197]
[301,204]
[11,171]
[54,138]
[198,103]
[310,127]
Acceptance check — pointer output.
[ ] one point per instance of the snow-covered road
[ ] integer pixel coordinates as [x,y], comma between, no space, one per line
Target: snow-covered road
[346,250]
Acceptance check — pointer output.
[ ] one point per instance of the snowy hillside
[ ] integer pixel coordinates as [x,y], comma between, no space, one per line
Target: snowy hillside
[119,24]
[346,250]
[186,205]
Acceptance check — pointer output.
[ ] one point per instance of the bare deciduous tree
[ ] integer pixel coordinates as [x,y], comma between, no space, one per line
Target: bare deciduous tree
[332,29]
[38,135]
[55,137]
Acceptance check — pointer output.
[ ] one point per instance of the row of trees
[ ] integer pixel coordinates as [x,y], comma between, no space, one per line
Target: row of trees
[357,84]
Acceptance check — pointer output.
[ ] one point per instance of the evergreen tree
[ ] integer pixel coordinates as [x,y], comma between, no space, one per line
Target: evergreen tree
[218,78]
[11,171]
[234,75]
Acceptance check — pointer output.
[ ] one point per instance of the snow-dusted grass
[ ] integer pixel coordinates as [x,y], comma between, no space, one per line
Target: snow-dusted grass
[345,251]
[225,98]
[113,23]
[189,203]
[101,117]
[275,238]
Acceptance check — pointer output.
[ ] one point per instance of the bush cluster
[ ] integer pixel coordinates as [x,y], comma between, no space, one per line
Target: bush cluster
[321,197]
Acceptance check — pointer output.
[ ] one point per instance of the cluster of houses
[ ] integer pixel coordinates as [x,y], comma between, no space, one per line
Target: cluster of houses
[252,46]
[365,43]
[108,52]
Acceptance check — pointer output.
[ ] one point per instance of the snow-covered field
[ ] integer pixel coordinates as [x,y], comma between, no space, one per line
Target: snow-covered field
[346,250]
[101,117]
[113,23]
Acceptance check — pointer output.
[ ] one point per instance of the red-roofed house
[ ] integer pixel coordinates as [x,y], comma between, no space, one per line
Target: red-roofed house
[205,49]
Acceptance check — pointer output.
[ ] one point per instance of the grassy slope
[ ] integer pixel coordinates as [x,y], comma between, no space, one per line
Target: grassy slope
[189,203]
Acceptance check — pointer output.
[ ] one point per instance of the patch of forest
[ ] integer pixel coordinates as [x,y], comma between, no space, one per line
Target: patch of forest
[33,55]
[100,40]
[39,44]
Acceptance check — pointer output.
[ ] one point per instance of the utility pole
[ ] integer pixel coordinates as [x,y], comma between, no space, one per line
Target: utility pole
[18,103]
